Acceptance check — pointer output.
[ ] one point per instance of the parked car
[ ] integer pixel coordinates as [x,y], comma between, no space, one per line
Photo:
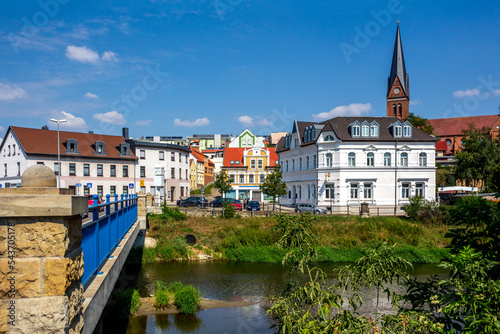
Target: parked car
[218,202]
[253,205]
[236,204]
[193,201]
[305,207]
[90,199]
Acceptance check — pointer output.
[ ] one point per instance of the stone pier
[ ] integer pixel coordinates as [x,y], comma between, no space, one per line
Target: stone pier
[41,260]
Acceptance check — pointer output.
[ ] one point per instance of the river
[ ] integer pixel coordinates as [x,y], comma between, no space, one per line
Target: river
[227,281]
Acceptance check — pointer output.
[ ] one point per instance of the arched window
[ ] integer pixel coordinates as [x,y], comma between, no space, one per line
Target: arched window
[404,159]
[422,159]
[400,110]
[314,161]
[370,159]
[394,109]
[307,162]
[300,163]
[351,159]
[387,159]
[293,165]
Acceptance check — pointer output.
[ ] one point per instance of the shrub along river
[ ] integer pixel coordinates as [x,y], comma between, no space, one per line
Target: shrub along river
[228,281]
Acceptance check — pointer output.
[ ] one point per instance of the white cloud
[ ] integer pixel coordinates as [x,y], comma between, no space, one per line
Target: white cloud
[72,121]
[496,92]
[113,117]
[90,95]
[354,109]
[246,121]
[110,56]
[8,92]
[2,129]
[199,122]
[415,102]
[82,54]
[144,122]
[264,122]
[468,92]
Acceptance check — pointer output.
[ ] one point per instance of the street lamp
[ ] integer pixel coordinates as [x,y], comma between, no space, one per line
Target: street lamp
[58,121]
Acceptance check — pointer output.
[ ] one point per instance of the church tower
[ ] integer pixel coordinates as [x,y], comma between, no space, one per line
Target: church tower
[398,84]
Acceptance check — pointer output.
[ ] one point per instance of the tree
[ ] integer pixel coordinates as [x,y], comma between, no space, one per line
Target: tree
[478,160]
[420,123]
[273,185]
[223,183]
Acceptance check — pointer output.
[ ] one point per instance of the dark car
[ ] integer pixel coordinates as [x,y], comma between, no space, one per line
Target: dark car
[253,205]
[193,201]
[219,202]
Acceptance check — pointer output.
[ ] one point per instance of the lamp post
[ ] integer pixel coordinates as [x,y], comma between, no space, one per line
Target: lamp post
[58,121]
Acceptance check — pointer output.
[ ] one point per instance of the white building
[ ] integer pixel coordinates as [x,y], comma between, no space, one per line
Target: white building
[90,163]
[175,162]
[345,161]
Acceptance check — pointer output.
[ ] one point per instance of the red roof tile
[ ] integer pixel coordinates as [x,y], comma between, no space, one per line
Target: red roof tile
[236,154]
[197,154]
[453,126]
[39,141]
[441,146]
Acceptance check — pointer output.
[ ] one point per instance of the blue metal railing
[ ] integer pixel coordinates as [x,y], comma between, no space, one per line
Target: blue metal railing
[102,235]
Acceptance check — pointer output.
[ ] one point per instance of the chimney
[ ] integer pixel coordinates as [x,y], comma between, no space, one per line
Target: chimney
[91,132]
[45,127]
[125,133]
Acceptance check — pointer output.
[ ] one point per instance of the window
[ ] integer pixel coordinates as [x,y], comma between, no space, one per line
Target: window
[397,131]
[308,192]
[329,160]
[367,190]
[112,191]
[142,154]
[422,159]
[180,157]
[86,170]
[262,178]
[365,130]
[172,156]
[5,166]
[172,173]
[251,178]
[300,163]
[125,190]
[56,168]
[419,189]
[161,155]
[242,178]
[187,176]
[18,168]
[232,162]
[400,112]
[231,178]
[307,162]
[72,146]
[99,170]
[143,171]
[448,142]
[237,162]
[259,163]
[9,150]
[387,159]
[330,191]
[252,163]
[329,138]
[407,131]
[72,169]
[370,159]
[125,171]
[405,190]
[404,159]
[112,170]
[354,191]
[99,191]
[293,165]
[287,165]
[100,148]
[14,149]
[394,110]
[180,173]
[355,130]
[374,131]
[314,161]
[351,159]
[124,149]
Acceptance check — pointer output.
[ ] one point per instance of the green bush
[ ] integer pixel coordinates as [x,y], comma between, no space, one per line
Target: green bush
[175,286]
[128,301]
[229,211]
[162,295]
[187,299]
[181,247]
[175,214]
[427,212]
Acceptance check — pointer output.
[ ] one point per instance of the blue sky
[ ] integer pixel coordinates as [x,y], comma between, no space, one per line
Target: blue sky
[177,67]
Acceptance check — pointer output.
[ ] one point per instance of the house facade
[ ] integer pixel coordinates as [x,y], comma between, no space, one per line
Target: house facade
[175,162]
[90,163]
[343,162]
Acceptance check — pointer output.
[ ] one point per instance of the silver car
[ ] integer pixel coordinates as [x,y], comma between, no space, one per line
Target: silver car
[305,207]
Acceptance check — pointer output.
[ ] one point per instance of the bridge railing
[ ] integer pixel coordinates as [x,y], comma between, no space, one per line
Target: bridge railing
[101,235]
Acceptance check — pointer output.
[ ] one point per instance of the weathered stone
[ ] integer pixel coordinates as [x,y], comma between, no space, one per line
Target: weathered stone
[25,278]
[38,176]
[4,313]
[3,239]
[41,315]
[34,205]
[75,302]
[54,236]
[76,325]
[61,273]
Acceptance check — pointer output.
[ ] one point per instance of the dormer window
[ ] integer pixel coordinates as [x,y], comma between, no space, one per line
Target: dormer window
[406,130]
[100,148]
[374,130]
[125,149]
[329,138]
[72,146]
[365,130]
[355,130]
[397,130]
